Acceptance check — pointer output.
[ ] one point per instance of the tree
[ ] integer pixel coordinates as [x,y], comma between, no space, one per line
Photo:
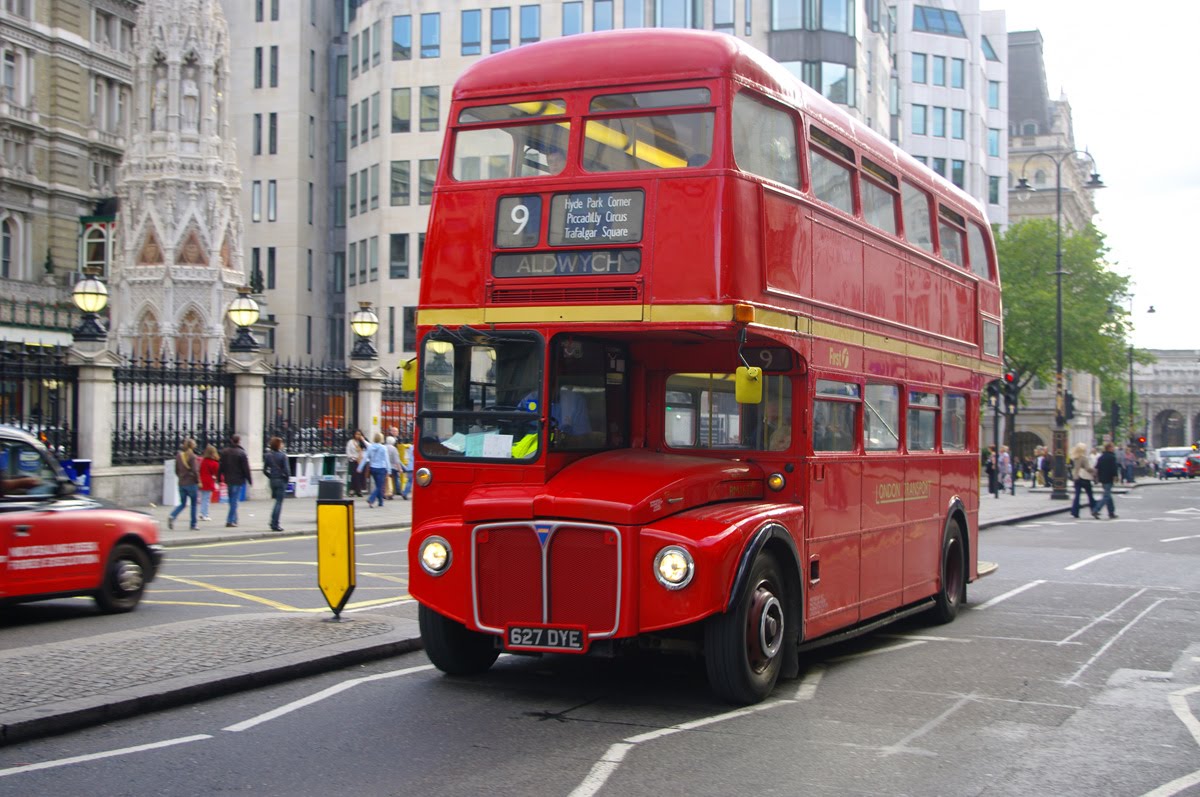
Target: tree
[1095,323]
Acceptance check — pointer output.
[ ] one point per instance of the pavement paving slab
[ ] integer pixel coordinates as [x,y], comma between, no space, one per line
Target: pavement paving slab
[57,687]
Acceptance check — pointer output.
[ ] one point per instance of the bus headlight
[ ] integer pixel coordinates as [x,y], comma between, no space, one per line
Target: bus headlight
[435,556]
[422,477]
[776,481]
[674,567]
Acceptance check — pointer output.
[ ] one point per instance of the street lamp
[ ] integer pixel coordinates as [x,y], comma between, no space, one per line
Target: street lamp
[243,312]
[364,322]
[1060,428]
[90,296]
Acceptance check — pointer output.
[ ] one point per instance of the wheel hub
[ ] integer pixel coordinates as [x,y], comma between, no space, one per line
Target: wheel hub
[765,627]
[129,576]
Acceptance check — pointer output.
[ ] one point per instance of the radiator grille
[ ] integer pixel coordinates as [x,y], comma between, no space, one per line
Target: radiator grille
[578,294]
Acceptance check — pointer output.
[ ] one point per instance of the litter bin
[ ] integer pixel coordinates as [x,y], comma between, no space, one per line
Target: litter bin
[329,489]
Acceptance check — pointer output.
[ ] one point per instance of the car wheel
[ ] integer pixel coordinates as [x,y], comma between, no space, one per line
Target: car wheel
[452,647]
[744,647]
[124,579]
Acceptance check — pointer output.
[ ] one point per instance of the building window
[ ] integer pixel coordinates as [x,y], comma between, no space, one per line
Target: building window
[270,268]
[402,38]
[956,73]
[257,134]
[312,70]
[339,142]
[677,14]
[310,203]
[362,191]
[633,13]
[939,166]
[958,173]
[308,271]
[939,70]
[420,252]
[339,206]
[834,81]
[918,119]
[256,201]
[353,126]
[602,14]
[366,50]
[838,16]
[430,102]
[937,20]
[258,67]
[472,32]
[989,52]
[274,10]
[342,76]
[272,195]
[354,55]
[256,277]
[352,265]
[401,110]
[939,122]
[957,123]
[408,335]
[273,134]
[373,257]
[339,272]
[391,333]
[400,183]
[918,67]
[362,262]
[274,66]
[398,256]
[308,334]
[501,29]
[426,174]
[376,101]
[353,194]
[374,186]
[258,10]
[572,18]
[993,144]
[312,137]
[994,94]
[531,24]
[377,42]
[722,11]
[431,35]
[8,247]
[364,119]
[993,190]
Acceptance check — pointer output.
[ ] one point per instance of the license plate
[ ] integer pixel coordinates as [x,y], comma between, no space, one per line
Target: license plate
[557,639]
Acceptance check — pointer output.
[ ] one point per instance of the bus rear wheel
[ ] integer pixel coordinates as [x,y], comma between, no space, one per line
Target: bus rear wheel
[744,647]
[954,574]
[452,647]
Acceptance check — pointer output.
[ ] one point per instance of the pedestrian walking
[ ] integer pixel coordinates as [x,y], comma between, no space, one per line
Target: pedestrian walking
[187,476]
[406,469]
[210,479]
[393,477]
[1004,466]
[1047,468]
[278,472]
[376,459]
[355,447]
[989,464]
[235,472]
[1084,474]
[1107,469]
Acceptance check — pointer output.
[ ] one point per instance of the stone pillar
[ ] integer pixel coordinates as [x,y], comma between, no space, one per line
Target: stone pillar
[94,402]
[370,376]
[249,402]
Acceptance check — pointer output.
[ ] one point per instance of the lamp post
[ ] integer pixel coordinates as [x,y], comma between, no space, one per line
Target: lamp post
[364,322]
[91,297]
[243,312]
[1060,428]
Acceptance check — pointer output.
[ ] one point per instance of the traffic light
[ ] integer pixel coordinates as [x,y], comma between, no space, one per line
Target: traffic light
[1115,411]
[1010,392]
[1069,407]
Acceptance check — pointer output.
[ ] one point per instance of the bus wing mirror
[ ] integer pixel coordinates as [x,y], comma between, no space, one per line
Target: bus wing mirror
[408,375]
[748,385]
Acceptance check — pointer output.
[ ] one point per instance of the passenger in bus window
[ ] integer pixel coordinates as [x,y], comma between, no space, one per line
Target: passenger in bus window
[556,160]
[778,426]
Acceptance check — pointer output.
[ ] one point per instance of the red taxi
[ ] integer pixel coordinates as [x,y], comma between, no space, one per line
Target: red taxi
[54,543]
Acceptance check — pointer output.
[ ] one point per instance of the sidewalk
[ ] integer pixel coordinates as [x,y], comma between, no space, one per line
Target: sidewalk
[58,687]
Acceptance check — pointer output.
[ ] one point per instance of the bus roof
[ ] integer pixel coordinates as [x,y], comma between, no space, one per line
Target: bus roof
[645,55]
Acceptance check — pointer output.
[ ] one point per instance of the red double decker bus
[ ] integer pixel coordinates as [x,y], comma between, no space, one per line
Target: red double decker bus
[700,359]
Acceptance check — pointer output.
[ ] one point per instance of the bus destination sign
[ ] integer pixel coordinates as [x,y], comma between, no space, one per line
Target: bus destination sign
[596,217]
[573,263]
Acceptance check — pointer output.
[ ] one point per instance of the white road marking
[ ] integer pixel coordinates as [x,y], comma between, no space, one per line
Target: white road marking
[79,759]
[603,769]
[902,745]
[877,651]
[1073,680]
[296,705]
[381,553]
[1008,595]
[1090,559]
[378,606]
[1102,617]
[1191,510]
[1177,539]
[1179,705]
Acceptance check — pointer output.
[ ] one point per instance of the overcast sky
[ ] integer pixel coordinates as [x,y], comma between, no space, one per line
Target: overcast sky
[1130,79]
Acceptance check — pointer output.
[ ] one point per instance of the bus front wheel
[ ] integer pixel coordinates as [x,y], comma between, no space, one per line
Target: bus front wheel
[954,574]
[744,647]
[452,647]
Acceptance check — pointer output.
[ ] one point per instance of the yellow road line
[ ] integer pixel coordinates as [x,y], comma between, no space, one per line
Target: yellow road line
[194,603]
[276,540]
[234,593]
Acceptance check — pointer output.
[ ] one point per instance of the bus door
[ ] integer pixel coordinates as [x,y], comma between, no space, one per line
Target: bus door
[835,500]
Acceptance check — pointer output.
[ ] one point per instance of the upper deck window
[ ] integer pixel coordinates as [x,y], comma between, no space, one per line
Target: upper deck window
[831,163]
[509,111]
[764,140]
[528,150]
[950,233]
[978,250]
[671,98]
[879,196]
[918,228]
[664,141]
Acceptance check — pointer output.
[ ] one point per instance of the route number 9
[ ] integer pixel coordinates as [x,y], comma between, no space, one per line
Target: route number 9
[518,221]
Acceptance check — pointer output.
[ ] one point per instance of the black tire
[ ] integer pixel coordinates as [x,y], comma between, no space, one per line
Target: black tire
[452,647]
[953,575]
[744,648]
[125,578]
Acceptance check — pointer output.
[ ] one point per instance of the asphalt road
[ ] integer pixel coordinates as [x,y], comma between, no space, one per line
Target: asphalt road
[273,574]
[1075,671]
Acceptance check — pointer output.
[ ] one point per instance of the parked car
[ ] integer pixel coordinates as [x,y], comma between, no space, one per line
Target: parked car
[1193,466]
[1173,462]
[55,543]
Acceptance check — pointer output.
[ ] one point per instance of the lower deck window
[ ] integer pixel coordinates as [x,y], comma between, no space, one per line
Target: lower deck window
[702,413]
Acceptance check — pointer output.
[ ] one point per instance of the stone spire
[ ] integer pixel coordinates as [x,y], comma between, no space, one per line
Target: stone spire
[180,260]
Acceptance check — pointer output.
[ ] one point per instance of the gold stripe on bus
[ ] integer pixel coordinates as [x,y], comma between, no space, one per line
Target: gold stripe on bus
[702,314]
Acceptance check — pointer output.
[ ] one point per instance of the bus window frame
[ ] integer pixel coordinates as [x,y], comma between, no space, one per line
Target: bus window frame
[878,177]
[799,148]
[916,407]
[957,222]
[855,434]
[846,158]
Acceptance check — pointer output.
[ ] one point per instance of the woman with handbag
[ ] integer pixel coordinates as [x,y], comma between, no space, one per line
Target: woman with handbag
[1084,474]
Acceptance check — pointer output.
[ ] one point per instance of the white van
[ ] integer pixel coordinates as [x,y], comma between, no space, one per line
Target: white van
[1172,462]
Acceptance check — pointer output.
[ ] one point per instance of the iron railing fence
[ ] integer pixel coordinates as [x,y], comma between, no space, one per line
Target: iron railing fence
[38,391]
[313,408]
[159,403]
[399,410]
